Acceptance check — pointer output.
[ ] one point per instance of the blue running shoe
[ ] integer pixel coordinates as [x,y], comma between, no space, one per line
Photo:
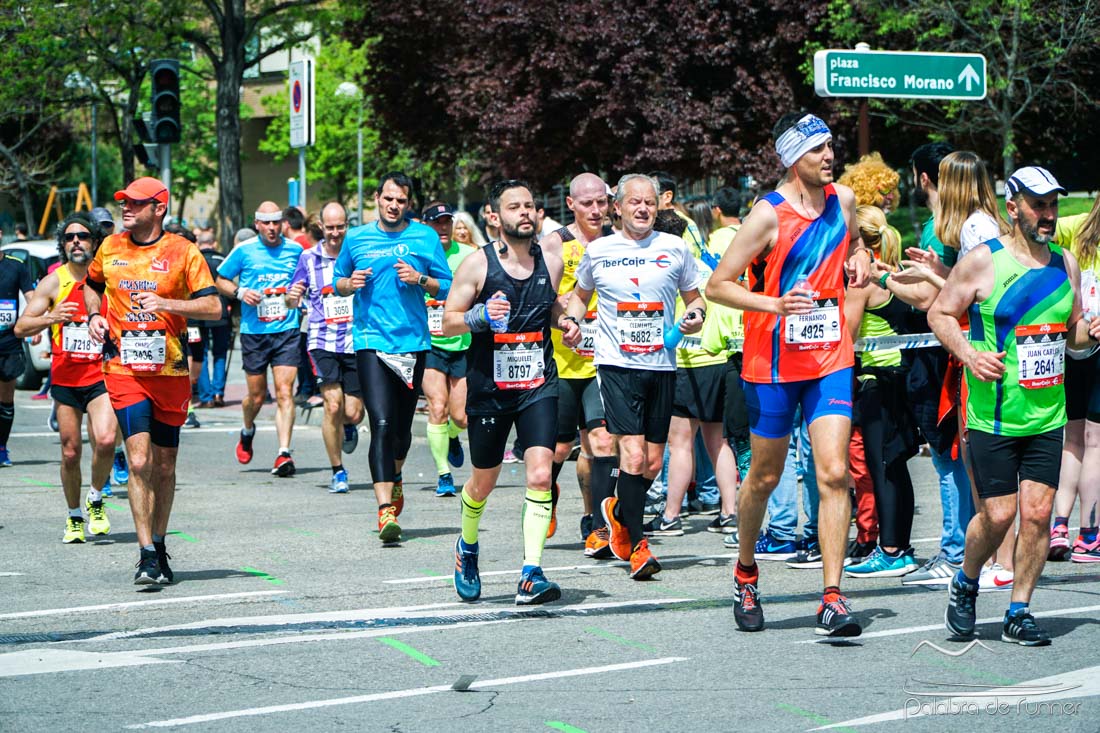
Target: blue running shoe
[107,493]
[339,483]
[455,455]
[467,580]
[445,486]
[120,471]
[535,588]
[770,548]
[881,565]
[351,438]
[5,459]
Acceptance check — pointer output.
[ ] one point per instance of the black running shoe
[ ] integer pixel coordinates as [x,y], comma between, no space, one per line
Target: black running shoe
[961,613]
[148,569]
[746,607]
[809,555]
[835,618]
[1021,629]
[166,576]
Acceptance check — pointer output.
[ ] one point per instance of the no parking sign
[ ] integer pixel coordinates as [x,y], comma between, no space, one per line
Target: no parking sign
[302,129]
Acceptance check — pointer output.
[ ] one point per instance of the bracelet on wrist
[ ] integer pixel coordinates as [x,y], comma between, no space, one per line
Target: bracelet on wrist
[882,280]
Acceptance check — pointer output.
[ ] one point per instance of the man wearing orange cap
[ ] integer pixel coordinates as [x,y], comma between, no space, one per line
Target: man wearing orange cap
[153,282]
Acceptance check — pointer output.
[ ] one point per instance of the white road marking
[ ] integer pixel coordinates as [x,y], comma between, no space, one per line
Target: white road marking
[564,568]
[45,661]
[137,604]
[9,575]
[398,694]
[1081,683]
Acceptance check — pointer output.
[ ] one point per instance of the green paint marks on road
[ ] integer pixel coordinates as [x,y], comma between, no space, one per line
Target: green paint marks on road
[618,640]
[563,727]
[431,573]
[812,717]
[406,649]
[183,536]
[978,674]
[262,574]
[303,532]
[116,507]
[36,482]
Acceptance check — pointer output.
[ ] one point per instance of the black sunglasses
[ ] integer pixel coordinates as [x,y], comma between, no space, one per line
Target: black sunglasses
[82,236]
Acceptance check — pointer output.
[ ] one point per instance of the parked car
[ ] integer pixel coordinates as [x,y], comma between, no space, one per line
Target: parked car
[39,255]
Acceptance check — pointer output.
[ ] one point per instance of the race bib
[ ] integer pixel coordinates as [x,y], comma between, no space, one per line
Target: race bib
[403,365]
[818,329]
[691,343]
[337,308]
[76,341]
[8,311]
[273,306]
[143,350]
[1090,294]
[641,327]
[587,345]
[435,316]
[193,335]
[1041,355]
[517,360]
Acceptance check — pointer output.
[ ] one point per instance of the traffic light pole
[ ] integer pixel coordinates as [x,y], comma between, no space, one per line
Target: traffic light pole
[165,154]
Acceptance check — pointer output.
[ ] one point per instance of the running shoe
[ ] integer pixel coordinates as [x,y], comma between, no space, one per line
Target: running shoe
[723,524]
[937,571]
[1020,628]
[660,527]
[191,421]
[510,457]
[747,611]
[51,421]
[617,535]
[106,490]
[120,469]
[455,455]
[5,459]
[995,577]
[397,495]
[445,486]
[351,438]
[835,618]
[857,551]
[642,562]
[284,465]
[881,565]
[555,492]
[467,580]
[339,483]
[596,545]
[534,588]
[961,614]
[244,448]
[166,577]
[1086,551]
[768,547]
[704,507]
[389,531]
[74,530]
[98,523]
[148,568]
[654,499]
[732,540]
[1059,543]
[586,526]
[808,556]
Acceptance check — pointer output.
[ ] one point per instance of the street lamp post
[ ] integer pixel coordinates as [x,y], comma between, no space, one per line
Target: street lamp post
[347,89]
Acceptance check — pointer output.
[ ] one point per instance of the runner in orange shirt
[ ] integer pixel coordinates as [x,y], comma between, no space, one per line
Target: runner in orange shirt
[153,281]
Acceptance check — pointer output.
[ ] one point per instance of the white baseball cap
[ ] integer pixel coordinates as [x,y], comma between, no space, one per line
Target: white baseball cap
[1035,180]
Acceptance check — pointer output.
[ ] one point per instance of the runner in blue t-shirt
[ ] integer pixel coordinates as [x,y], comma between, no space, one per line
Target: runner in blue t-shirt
[389,265]
[269,329]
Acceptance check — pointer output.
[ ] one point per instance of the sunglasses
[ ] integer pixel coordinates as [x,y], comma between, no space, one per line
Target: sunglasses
[131,203]
[82,236]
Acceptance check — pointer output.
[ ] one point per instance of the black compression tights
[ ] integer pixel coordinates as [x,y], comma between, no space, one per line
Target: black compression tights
[391,406]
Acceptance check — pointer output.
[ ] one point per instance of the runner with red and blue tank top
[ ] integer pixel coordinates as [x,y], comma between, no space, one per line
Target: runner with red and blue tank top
[331,342]
[798,243]
[76,368]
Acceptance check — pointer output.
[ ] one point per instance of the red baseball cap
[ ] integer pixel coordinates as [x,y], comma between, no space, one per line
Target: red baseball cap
[142,189]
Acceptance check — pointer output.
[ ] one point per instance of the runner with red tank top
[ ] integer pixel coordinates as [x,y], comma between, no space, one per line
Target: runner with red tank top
[76,370]
[798,243]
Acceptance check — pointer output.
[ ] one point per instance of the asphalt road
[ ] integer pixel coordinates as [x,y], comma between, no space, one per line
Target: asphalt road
[290,615]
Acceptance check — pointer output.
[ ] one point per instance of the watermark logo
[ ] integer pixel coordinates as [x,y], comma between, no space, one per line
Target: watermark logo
[941,650]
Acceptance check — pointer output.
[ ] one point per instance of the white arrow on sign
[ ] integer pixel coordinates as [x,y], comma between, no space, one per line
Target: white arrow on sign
[969,76]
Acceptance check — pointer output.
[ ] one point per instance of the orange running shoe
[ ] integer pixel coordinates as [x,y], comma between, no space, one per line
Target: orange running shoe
[642,562]
[596,546]
[617,536]
[388,528]
[397,497]
[554,493]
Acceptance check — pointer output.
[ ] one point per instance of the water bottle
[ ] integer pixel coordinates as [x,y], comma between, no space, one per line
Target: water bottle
[498,326]
[804,283]
[673,336]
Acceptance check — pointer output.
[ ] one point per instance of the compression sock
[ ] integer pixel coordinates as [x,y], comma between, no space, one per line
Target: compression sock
[536,523]
[746,575]
[7,417]
[453,431]
[743,456]
[438,439]
[603,486]
[471,517]
[631,491]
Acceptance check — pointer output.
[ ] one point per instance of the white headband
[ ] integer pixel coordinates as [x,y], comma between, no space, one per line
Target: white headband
[810,132]
[269,216]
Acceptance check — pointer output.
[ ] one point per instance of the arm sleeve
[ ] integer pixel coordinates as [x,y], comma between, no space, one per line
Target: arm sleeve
[231,266]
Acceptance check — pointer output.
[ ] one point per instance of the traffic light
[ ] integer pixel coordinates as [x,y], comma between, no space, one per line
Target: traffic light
[146,150]
[166,100]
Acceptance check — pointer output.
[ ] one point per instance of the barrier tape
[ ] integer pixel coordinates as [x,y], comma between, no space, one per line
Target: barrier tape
[874,343]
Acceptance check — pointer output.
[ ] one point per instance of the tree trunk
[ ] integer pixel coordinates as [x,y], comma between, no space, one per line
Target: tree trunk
[1008,150]
[23,185]
[126,131]
[229,73]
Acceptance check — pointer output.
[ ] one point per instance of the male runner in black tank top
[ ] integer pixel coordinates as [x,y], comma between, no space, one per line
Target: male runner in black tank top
[511,379]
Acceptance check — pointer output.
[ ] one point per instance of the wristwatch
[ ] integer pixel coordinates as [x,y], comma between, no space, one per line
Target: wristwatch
[422,281]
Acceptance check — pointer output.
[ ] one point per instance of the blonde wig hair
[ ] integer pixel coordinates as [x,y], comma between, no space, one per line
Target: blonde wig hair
[871,180]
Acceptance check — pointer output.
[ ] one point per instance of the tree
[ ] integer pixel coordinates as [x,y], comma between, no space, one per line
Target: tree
[550,89]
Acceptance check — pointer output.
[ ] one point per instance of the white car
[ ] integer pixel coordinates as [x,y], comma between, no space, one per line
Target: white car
[39,255]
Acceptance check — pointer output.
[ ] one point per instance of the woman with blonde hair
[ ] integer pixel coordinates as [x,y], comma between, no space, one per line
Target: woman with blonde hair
[873,182]
[968,212]
[465,231]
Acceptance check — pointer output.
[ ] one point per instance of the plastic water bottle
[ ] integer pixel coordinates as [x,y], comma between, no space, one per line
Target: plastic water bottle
[804,283]
[498,326]
[673,336]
